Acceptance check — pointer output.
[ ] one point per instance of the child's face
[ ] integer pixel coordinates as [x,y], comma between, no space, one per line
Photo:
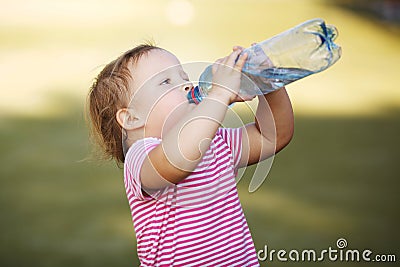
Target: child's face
[160,87]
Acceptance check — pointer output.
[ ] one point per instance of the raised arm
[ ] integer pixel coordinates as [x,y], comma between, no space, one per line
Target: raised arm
[272,130]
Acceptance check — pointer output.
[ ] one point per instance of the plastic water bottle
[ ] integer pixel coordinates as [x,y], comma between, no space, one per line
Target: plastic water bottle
[289,56]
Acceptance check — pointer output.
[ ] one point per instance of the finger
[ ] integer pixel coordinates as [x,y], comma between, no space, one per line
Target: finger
[240,62]
[232,57]
[236,47]
[217,63]
[253,44]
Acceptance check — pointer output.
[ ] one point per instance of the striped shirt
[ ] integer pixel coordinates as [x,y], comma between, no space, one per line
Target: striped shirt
[197,222]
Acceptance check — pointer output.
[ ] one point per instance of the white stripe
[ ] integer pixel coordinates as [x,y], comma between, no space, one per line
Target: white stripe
[204,257]
[212,186]
[208,244]
[204,200]
[211,209]
[206,228]
[210,212]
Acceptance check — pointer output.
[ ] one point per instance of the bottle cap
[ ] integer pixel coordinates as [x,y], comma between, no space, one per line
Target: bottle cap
[194,96]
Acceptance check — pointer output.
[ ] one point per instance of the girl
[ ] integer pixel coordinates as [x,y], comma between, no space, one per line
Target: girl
[179,165]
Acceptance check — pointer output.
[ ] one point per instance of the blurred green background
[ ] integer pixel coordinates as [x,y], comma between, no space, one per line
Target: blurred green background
[339,177]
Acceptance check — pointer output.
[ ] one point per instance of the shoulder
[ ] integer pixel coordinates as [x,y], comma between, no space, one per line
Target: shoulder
[143,145]
[139,149]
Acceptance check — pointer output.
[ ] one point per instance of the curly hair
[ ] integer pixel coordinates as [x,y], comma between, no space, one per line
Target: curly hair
[109,93]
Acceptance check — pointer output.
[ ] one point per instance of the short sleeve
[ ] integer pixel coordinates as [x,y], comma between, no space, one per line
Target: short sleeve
[233,138]
[134,159]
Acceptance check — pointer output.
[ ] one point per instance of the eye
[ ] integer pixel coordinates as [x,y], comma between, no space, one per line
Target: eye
[166,81]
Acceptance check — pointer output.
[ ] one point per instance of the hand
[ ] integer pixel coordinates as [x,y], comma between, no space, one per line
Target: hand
[227,74]
[239,97]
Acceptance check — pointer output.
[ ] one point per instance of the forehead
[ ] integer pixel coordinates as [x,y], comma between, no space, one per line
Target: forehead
[152,63]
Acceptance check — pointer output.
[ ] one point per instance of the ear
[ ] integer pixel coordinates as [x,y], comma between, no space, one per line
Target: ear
[127,119]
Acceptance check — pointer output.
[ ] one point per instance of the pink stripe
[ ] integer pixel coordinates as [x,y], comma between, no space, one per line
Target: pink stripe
[218,176]
[192,221]
[208,177]
[237,258]
[205,168]
[213,195]
[232,221]
[212,253]
[194,245]
[220,206]
[188,237]
[218,209]
[225,178]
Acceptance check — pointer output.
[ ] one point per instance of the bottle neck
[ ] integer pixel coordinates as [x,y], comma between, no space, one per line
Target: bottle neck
[194,96]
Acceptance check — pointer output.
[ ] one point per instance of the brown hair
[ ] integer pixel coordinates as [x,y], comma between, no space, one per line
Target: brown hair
[109,93]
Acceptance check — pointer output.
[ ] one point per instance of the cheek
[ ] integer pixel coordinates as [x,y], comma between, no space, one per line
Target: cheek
[164,107]
[167,108]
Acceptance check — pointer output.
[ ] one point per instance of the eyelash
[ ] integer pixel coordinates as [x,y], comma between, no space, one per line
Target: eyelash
[166,81]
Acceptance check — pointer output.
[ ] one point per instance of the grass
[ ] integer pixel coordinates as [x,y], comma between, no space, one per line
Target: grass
[59,210]
[337,178]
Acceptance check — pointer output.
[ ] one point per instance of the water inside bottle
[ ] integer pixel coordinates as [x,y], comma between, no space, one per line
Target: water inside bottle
[279,77]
